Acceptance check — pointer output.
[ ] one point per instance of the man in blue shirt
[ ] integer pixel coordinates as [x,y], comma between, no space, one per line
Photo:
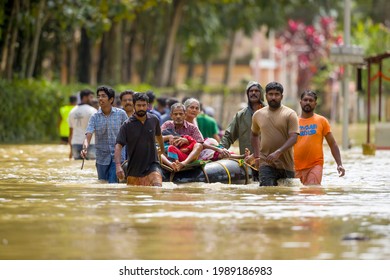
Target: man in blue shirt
[105,123]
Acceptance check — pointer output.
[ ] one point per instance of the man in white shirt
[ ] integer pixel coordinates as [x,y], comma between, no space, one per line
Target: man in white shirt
[78,122]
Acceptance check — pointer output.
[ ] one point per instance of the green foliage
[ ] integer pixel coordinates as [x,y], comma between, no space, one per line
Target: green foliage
[135,88]
[29,110]
[377,43]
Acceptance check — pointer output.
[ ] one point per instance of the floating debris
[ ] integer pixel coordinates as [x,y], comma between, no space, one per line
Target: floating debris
[356,236]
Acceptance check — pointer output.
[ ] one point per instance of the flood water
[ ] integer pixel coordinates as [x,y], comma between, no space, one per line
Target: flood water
[51,209]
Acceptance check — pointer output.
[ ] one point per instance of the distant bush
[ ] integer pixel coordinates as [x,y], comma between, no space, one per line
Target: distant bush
[29,110]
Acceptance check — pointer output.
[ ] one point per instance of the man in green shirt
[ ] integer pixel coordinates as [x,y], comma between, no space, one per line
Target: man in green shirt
[207,125]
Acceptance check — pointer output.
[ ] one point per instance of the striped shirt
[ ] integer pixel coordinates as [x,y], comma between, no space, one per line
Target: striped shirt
[187,129]
[106,128]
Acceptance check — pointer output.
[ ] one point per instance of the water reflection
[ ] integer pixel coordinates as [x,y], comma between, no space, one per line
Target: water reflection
[51,209]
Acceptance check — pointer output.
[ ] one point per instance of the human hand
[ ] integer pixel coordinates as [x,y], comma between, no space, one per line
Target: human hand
[171,140]
[250,159]
[180,141]
[271,158]
[341,170]
[119,172]
[225,153]
[83,153]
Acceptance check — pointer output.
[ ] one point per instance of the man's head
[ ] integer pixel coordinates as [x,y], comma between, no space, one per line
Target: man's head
[126,98]
[161,104]
[274,94]
[73,99]
[86,96]
[178,114]
[255,93]
[141,102]
[171,101]
[151,97]
[308,101]
[105,95]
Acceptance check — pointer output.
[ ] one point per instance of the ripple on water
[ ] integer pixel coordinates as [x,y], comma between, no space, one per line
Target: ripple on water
[58,200]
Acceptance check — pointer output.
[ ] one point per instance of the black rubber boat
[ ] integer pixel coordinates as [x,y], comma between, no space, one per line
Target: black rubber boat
[226,171]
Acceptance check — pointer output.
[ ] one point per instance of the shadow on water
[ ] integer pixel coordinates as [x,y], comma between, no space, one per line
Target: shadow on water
[51,209]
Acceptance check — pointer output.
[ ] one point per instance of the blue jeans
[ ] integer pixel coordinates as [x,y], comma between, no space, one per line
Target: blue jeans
[107,172]
[269,176]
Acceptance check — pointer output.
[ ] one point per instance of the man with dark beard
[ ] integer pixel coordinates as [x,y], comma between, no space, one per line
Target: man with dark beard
[139,134]
[240,127]
[308,152]
[274,132]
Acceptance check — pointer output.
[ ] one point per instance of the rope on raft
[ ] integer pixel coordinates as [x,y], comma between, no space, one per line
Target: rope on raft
[202,163]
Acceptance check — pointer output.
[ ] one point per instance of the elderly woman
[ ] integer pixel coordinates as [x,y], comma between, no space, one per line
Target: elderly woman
[192,106]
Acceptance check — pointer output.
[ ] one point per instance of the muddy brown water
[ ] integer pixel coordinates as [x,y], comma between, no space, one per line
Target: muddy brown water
[51,209]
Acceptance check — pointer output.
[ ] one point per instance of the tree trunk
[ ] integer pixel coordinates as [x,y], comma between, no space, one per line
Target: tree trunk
[6,46]
[175,66]
[25,44]
[117,52]
[64,64]
[206,71]
[38,29]
[9,52]
[112,48]
[231,58]
[162,78]
[93,78]
[11,56]
[74,55]
[131,61]
[125,54]
[190,70]
[85,58]
[147,55]
[102,66]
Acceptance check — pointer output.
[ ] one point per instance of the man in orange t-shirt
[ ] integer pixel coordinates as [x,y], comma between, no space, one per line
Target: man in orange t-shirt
[308,152]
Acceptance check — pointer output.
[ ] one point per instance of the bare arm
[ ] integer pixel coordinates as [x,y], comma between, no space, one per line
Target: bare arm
[225,153]
[255,141]
[117,156]
[166,137]
[160,142]
[335,153]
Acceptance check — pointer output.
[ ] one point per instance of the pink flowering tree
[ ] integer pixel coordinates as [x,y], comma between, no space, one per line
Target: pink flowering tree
[311,44]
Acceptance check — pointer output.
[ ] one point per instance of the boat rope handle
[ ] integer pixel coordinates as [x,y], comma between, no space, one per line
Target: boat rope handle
[205,173]
[246,165]
[227,172]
